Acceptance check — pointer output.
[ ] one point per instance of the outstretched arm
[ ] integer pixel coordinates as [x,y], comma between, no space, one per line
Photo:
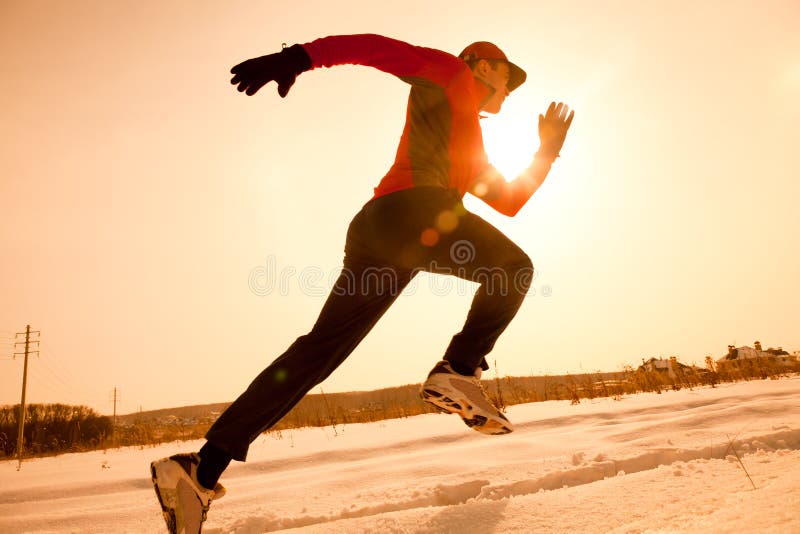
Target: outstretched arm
[509,197]
[383,53]
[406,61]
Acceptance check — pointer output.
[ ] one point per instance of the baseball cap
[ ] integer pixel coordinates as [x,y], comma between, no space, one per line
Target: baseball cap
[487,50]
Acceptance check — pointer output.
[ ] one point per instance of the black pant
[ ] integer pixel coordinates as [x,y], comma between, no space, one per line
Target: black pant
[391,239]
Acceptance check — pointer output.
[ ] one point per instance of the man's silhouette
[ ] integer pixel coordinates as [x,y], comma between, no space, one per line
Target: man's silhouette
[415,221]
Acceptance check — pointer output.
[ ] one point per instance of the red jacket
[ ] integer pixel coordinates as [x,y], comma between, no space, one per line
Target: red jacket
[442,144]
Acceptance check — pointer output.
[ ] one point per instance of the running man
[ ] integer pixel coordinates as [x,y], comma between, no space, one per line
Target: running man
[415,221]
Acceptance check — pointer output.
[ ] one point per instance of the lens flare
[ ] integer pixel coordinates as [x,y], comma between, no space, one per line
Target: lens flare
[446,221]
[429,237]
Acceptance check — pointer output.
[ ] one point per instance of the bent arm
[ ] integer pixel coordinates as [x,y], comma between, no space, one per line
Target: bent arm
[383,53]
[509,197]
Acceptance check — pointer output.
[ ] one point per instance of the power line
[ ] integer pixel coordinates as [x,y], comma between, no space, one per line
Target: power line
[78,390]
[58,366]
[45,381]
[58,388]
[52,381]
[7,348]
[51,370]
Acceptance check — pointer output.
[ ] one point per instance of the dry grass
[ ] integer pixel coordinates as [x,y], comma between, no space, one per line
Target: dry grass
[732,447]
[341,409]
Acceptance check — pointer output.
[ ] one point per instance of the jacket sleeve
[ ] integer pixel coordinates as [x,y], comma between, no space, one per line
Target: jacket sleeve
[509,197]
[395,57]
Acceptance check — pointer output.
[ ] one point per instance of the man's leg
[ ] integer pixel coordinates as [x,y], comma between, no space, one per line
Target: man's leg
[477,251]
[452,241]
[186,483]
[427,228]
[358,300]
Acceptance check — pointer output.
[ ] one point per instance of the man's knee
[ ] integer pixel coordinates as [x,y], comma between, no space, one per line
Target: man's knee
[521,272]
[508,278]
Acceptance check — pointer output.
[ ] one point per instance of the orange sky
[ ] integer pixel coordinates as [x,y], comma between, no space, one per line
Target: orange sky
[140,191]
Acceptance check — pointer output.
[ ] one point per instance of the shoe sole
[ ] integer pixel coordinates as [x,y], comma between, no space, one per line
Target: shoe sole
[169,513]
[165,471]
[463,408]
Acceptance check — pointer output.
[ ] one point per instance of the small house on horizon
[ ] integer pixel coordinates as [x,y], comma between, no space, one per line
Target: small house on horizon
[744,353]
[670,367]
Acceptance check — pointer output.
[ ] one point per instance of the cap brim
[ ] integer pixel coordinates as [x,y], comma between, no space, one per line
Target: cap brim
[516,76]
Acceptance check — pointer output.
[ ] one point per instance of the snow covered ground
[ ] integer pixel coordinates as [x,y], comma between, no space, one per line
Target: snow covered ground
[645,463]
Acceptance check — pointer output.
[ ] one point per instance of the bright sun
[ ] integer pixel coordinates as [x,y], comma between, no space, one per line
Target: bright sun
[511,140]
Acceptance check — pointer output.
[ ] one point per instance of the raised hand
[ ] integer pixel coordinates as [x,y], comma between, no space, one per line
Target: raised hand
[282,67]
[553,126]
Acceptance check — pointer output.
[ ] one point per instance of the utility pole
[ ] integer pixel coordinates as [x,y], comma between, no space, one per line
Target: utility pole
[27,342]
[114,399]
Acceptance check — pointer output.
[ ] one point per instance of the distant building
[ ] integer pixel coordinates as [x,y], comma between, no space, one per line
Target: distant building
[739,354]
[670,367]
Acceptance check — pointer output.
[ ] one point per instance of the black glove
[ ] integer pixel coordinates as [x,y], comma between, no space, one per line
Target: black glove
[553,126]
[283,67]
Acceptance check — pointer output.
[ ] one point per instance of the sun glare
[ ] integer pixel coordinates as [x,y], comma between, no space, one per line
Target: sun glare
[511,141]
